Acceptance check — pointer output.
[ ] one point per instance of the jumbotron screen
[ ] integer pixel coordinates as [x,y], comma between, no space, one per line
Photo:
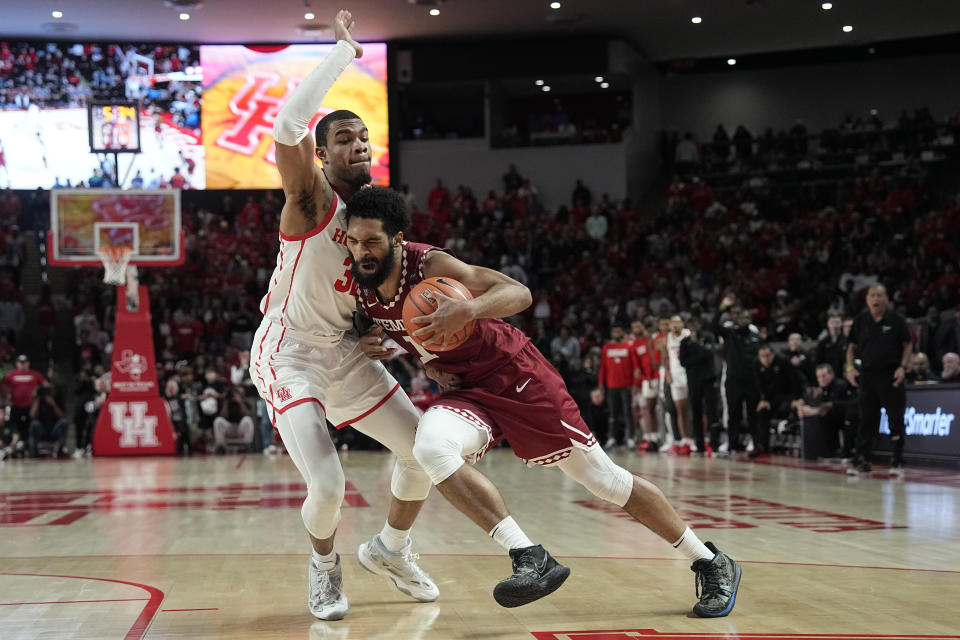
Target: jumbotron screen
[60,98]
[245,87]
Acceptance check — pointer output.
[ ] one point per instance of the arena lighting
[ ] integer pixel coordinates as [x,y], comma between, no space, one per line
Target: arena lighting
[57,14]
[731,61]
[184,16]
[696,19]
[604,85]
[554,5]
[434,12]
[847,28]
[598,79]
[539,83]
[309,15]
[826,6]
[546,87]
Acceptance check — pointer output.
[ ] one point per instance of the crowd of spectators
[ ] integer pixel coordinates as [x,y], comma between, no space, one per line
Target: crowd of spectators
[857,141]
[570,119]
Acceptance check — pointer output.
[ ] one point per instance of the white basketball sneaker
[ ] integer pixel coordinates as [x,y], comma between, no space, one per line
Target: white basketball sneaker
[325,597]
[400,566]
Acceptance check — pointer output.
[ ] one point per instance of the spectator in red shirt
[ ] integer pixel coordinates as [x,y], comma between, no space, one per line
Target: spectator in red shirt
[616,377]
[187,333]
[18,389]
[438,201]
[647,383]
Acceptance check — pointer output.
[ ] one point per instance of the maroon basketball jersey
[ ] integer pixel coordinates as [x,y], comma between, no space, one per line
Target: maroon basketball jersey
[492,344]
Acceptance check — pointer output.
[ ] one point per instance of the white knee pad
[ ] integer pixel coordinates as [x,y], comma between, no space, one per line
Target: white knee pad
[445,440]
[321,509]
[597,472]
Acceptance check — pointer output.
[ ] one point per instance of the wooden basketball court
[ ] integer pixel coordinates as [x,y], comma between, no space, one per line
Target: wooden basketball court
[213,547]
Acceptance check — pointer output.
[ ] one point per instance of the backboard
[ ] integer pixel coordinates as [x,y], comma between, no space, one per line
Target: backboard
[83,221]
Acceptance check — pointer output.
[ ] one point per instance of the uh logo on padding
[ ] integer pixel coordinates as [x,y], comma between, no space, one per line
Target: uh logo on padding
[135,426]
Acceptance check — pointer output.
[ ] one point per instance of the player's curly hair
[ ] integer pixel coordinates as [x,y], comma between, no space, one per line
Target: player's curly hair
[383,204]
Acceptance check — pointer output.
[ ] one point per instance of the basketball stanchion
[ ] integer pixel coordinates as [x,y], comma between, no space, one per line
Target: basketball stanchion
[134,420]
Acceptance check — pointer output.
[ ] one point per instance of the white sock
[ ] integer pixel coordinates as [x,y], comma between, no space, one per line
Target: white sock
[325,562]
[509,535]
[689,545]
[394,539]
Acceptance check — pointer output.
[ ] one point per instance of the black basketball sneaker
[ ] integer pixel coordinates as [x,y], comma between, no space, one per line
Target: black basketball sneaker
[717,582]
[535,575]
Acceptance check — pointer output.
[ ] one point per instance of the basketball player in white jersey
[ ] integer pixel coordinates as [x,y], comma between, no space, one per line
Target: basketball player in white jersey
[305,359]
[676,376]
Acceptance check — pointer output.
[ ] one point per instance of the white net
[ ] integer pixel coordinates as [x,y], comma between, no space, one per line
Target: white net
[115,261]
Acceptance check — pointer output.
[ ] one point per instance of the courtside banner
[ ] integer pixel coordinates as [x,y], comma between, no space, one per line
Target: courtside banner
[245,87]
[931,421]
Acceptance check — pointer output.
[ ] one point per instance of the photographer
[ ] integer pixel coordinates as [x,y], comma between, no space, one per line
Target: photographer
[834,401]
[234,422]
[780,385]
[47,422]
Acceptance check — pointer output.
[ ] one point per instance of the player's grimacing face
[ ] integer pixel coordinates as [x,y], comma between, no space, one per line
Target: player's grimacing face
[347,154]
[371,251]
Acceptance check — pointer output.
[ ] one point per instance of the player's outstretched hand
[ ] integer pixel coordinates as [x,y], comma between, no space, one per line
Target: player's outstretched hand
[440,326]
[370,344]
[342,26]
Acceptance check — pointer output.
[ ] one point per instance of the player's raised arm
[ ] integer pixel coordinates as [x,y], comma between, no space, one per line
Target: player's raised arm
[494,294]
[306,190]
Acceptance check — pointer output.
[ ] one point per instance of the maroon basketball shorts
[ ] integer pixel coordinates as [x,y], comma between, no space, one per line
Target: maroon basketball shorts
[527,403]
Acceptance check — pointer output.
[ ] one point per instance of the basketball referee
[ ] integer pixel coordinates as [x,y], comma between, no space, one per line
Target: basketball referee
[881,338]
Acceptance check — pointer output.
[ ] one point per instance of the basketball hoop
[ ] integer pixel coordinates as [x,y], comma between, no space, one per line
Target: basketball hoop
[115,262]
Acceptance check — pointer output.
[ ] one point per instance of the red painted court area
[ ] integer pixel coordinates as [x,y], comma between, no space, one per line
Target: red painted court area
[747,509]
[47,508]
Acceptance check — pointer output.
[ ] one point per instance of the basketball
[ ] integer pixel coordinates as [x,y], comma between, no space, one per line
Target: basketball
[422,300]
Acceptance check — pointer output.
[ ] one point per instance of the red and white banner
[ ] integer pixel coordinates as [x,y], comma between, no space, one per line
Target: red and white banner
[134,420]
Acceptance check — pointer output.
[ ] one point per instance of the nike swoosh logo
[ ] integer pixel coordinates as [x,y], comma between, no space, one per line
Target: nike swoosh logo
[541,565]
[523,386]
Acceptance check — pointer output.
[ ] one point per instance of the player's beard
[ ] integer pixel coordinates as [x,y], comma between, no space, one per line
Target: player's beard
[378,277]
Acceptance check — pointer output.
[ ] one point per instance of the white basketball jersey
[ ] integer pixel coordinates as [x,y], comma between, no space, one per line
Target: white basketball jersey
[673,348]
[312,290]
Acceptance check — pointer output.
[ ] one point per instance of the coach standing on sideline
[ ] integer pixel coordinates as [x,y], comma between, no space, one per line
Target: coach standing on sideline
[881,338]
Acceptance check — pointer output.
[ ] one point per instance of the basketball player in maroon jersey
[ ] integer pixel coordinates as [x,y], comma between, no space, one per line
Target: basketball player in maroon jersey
[506,389]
